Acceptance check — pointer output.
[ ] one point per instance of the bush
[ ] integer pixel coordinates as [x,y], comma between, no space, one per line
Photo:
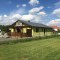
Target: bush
[27,39]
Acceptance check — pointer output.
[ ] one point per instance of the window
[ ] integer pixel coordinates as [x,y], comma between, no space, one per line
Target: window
[42,29]
[18,24]
[37,29]
[18,30]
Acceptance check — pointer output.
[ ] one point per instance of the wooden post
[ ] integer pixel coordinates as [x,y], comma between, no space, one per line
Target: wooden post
[22,32]
[44,31]
[31,31]
[39,32]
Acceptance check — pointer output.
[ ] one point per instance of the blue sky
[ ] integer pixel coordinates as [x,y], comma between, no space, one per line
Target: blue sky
[41,11]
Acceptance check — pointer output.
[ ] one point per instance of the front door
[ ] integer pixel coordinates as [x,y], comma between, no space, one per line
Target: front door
[29,32]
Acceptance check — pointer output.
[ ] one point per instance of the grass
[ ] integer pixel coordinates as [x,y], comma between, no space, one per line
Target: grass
[46,49]
[8,41]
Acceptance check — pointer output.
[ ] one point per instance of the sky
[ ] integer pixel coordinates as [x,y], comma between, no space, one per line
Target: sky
[39,11]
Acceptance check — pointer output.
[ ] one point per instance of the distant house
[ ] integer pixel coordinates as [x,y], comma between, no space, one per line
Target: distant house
[56,28]
[22,28]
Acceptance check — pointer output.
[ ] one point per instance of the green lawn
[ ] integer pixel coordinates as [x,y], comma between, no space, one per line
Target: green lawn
[47,49]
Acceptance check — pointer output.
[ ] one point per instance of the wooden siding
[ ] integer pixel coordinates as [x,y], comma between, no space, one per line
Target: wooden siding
[24,32]
[41,32]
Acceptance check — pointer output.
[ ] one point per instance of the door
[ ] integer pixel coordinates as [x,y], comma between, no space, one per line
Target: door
[29,32]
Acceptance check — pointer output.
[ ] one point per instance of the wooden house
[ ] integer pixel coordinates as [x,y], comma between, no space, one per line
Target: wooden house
[22,28]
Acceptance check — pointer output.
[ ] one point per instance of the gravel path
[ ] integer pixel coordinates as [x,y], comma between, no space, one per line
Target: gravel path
[7,39]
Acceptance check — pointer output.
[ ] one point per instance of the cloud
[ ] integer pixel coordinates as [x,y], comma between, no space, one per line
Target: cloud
[0,18]
[56,12]
[15,16]
[12,17]
[7,20]
[41,13]
[55,22]
[23,5]
[34,17]
[20,15]
[33,2]
[37,13]
[17,5]
[4,19]
[27,17]
[5,15]
[35,10]
[37,19]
